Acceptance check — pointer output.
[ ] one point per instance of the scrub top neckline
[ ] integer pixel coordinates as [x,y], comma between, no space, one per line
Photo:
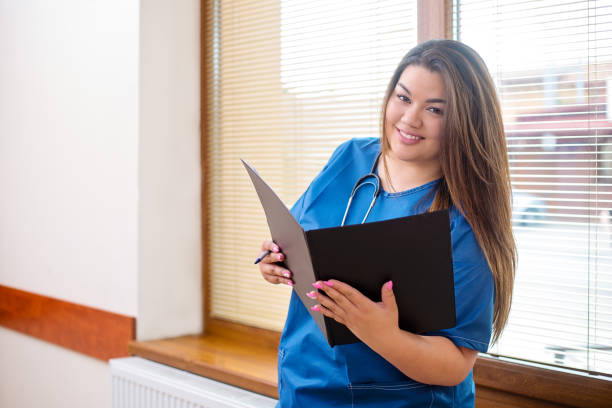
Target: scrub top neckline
[413,190]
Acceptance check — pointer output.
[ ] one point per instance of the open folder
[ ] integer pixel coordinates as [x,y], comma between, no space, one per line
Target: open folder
[415,252]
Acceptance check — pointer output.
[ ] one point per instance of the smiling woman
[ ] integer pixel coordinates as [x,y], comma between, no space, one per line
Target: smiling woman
[421,156]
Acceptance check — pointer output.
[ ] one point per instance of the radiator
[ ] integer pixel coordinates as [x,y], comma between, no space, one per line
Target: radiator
[140,383]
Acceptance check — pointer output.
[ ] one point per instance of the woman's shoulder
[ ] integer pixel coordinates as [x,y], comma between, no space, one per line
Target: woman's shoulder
[356,148]
[352,154]
[465,244]
[356,154]
[348,162]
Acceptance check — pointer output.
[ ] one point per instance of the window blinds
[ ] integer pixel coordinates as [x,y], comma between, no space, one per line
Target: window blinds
[552,64]
[287,82]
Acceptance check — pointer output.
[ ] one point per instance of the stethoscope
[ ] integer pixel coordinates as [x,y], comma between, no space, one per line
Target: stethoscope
[370,178]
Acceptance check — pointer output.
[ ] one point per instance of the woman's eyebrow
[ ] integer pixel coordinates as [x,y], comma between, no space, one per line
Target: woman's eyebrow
[433,100]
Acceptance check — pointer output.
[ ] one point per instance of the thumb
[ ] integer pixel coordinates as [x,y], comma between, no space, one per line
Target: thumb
[388,298]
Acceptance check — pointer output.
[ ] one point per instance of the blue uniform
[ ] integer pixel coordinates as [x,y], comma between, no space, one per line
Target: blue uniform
[311,373]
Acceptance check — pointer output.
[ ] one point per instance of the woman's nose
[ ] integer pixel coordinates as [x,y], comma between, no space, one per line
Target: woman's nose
[412,117]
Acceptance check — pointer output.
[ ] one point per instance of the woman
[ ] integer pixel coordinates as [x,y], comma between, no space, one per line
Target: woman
[442,146]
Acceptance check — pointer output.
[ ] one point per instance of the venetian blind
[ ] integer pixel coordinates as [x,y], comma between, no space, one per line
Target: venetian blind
[288,81]
[552,63]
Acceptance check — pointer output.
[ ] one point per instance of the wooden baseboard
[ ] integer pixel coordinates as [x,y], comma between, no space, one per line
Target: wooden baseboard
[94,332]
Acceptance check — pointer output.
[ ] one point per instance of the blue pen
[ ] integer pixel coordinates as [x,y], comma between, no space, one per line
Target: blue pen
[262,256]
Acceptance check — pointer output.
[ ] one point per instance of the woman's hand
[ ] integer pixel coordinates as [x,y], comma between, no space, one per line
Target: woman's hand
[270,271]
[365,318]
[427,359]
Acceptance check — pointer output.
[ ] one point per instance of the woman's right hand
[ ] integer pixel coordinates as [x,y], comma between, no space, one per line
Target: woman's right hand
[270,271]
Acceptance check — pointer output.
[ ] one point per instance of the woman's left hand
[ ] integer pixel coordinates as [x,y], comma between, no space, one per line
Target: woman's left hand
[365,318]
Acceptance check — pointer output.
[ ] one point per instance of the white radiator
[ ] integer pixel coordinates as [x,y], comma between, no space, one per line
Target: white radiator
[140,383]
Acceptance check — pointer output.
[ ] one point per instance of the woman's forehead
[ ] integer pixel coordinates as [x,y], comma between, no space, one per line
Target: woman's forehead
[419,80]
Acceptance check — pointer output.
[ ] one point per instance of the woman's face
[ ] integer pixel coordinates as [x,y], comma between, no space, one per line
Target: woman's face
[414,117]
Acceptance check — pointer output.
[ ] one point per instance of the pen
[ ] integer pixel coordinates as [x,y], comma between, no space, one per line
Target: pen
[262,255]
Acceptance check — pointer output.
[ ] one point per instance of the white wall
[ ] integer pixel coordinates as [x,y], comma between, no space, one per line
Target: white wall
[99,177]
[38,374]
[170,246]
[69,150]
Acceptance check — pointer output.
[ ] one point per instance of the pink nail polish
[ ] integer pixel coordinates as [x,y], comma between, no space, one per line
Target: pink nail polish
[290,283]
[280,257]
[389,285]
[328,283]
[312,294]
[317,285]
[287,275]
[316,308]
[275,249]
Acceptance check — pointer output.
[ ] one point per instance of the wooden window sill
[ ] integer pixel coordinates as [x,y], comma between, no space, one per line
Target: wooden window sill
[240,356]
[501,383]
[246,357]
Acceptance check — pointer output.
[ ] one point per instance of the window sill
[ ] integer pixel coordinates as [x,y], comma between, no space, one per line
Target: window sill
[504,383]
[246,357]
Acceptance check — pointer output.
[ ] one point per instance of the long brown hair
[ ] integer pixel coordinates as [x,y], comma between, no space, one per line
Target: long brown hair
[473,158]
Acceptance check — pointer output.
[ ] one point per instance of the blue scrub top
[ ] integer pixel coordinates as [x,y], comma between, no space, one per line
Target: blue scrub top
[313,374]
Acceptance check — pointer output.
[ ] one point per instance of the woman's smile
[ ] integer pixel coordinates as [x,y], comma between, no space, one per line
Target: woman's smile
[408,138]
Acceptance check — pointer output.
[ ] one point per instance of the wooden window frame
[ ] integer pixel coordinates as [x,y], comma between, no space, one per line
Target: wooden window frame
[246,356]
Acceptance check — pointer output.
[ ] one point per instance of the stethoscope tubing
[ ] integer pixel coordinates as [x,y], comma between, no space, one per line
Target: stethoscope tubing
[374,180]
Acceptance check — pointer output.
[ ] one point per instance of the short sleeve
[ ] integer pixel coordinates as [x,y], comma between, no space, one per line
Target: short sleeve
[474,289]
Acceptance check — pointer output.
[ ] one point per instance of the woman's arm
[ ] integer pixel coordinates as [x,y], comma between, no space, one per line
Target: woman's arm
[427,359]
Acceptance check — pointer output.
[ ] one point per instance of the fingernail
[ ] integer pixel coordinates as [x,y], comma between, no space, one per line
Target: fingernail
[287,274]
[290,283]
[328,283]
[275,249]
[316,308]
[312,294]
[317,285]
[280,257]
[389,285]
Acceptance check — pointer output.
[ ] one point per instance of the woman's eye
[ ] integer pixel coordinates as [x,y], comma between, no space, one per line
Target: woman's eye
[403,98]
[437,111]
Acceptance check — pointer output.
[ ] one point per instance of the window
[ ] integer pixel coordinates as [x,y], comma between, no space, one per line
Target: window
[293,79]
[552,64]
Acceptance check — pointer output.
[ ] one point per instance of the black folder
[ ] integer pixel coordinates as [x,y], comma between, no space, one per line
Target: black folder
[415,252]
